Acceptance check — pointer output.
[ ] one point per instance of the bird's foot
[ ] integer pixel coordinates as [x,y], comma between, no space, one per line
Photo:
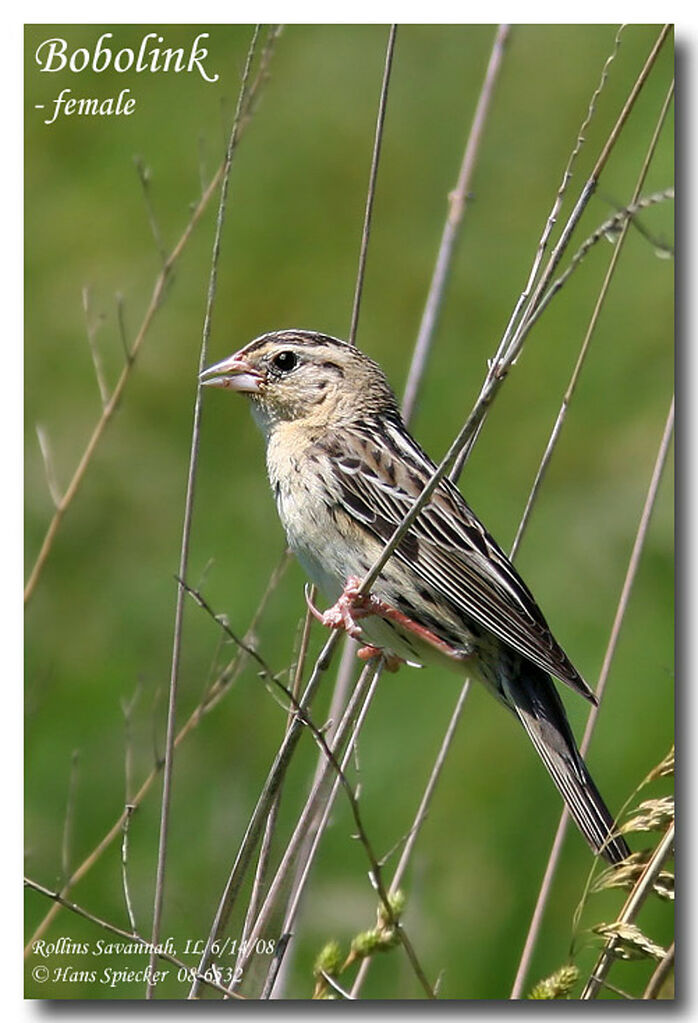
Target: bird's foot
[345,612]
[352,606]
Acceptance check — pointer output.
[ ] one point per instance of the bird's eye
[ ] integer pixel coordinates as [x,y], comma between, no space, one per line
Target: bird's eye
[285,361]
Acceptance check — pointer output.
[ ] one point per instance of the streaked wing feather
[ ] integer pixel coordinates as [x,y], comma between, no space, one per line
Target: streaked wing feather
[456,557]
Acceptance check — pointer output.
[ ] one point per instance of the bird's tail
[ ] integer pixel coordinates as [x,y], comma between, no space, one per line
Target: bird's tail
[536,702]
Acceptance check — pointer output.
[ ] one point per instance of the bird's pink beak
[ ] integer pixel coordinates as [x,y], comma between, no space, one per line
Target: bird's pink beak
[234,373]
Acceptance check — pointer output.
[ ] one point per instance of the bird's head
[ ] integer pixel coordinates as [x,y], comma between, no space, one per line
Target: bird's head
[304,377]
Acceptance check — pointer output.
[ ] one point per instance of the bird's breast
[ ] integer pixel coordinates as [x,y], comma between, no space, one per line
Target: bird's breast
[302,484]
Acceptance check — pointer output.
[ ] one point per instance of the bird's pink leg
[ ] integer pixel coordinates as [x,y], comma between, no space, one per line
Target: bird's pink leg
[351,606]
[345,612]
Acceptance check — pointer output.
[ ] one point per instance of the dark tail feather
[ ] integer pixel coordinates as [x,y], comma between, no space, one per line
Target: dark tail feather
[535,700]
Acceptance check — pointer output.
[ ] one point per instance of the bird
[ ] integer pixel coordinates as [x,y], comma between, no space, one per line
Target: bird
[344,471]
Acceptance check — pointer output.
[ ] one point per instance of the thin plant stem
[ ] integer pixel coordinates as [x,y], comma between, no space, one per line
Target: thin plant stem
[372,185]
[420,817]
[293,908]
[210,699]
[143,172]
[186,527]
[276,963]
[345,671]
[451,461]
[610,228]
[557,203]
[367,581]
[302,716]
[658,978]
[124,869]
[69,815]
[263,859]
[130,936]
[91,331]
[154,304]
[512,352]
[588,189]
[340,695]
[259,879]
[638,545]
[457,202]
[309,827]
[637,897]
[631,573]
[343,684]
[376,872]
[270,826]
[345,995]
[423,809]
[556,849]
[47,456]
[395,538]
[266,798]
[454,458]
[571,387]
[514,337]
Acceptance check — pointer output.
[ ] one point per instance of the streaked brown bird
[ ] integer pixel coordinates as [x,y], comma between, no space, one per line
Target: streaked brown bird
[344,471]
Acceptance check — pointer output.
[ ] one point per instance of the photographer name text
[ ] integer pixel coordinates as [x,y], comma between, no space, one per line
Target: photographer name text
[120,956]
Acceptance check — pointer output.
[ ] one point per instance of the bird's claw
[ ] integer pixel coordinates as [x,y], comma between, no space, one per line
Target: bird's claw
[351,606]
[343,614]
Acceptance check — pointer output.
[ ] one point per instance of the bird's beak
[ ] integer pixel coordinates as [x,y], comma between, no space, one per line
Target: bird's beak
[234,373]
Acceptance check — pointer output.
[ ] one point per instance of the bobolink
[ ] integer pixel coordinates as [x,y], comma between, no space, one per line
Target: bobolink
[344,471]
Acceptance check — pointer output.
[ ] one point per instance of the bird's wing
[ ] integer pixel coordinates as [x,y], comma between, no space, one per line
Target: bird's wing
[380,471]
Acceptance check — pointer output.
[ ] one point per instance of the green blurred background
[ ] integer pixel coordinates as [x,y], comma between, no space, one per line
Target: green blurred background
[99,626]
